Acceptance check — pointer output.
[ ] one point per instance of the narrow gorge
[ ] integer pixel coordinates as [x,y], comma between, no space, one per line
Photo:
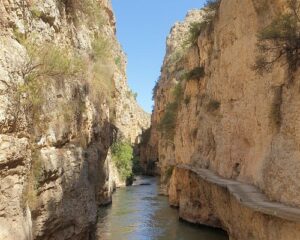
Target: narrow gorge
[223,140]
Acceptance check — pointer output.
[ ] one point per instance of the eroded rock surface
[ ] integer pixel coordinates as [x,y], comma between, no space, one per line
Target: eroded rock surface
[227,120]
[55,166]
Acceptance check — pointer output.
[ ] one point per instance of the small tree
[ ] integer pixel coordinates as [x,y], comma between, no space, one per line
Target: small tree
[280,41]
[122,155]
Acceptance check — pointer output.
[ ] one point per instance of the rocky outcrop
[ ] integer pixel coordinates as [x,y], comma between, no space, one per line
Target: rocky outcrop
[203,202]
[227,118]
[62,78]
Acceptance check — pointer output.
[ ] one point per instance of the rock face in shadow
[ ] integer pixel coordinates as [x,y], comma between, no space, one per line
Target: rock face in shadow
[226,115]
[59,116]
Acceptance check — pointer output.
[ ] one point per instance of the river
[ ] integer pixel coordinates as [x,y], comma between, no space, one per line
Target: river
[140,213]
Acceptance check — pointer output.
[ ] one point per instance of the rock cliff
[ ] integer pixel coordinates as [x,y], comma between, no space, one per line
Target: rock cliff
[213,111]
[64,100]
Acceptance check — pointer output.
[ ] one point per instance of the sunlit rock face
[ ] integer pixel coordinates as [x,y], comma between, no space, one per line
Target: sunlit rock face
[201,202]
[225,120]
[55,133]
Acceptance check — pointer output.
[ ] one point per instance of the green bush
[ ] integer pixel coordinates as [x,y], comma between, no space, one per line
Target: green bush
[131,93]
[155,89]
[122,155]
[210,11]
[178,93]
[91,8]
[168,122]
[36,13]
[51,62]
[101,82]
[195,74]
[101,48]
[118,62]
[280,41]
[45,66]
[212,5]
[195,29]
[30,189]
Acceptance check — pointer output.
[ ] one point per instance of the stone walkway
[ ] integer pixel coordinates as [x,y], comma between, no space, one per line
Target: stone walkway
[248,195]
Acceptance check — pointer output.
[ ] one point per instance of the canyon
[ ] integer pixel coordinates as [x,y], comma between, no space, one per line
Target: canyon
[223,137]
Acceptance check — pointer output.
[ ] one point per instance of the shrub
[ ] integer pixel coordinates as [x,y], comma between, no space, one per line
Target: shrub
[46,65]
[51,62]
[20,37]
[29,194]
[196,73]
[122,155]
[101,48]
[118,62]
[175,56]
[36,13]
[155,89]
[213,105]
[194,32]
[168,122]
[210,11]
[178,93]
[131,93]
[280,40]
[101,82]
[212,5]
[91,8]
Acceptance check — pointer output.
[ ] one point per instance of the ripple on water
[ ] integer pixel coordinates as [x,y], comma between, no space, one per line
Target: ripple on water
[139,213]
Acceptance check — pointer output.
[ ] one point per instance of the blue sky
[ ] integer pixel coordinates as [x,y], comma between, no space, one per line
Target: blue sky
[142,28]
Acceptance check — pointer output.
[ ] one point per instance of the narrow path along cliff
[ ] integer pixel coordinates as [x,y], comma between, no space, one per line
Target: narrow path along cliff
[224,134]
[218,158]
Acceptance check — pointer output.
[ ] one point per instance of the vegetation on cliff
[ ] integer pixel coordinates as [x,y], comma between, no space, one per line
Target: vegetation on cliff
[167,124]
[195,73]
[280,40]
[209,12]
[122,155]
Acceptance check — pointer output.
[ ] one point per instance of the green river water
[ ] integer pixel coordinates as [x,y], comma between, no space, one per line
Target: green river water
[140,213]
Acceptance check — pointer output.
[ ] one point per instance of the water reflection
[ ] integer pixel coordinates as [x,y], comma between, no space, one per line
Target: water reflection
[138,213]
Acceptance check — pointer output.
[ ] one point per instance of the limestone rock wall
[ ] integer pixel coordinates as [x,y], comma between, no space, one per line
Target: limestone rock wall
[55,133]
[201,202]
[225,121]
